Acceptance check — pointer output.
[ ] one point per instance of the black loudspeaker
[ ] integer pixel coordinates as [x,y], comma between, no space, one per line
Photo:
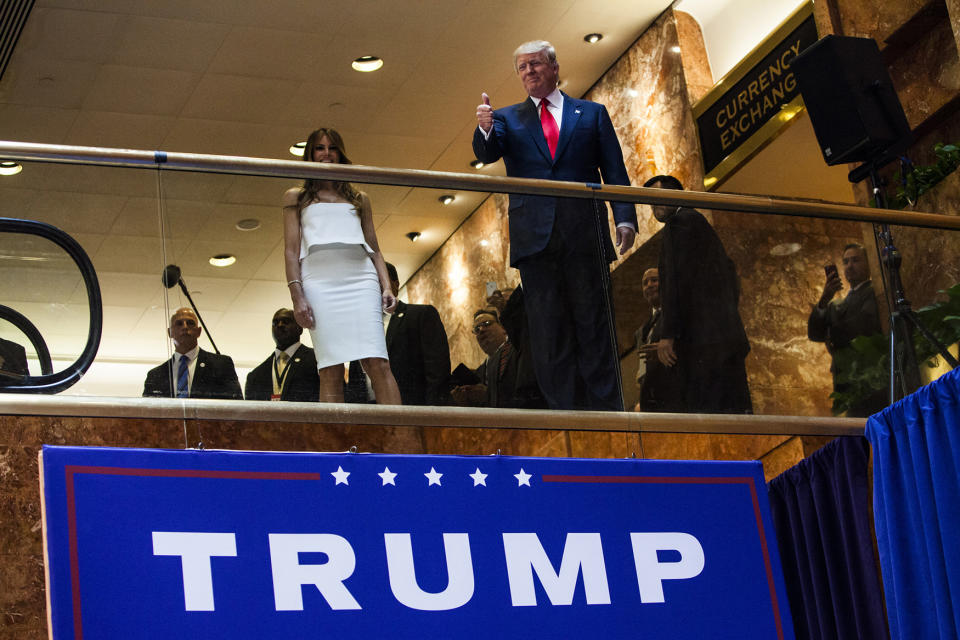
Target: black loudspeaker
[853,106]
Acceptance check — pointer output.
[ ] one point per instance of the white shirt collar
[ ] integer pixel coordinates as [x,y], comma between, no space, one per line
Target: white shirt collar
[555,98]
[292,349]
[192,354]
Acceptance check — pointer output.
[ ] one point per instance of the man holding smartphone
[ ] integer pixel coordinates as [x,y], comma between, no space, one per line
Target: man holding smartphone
[837,322]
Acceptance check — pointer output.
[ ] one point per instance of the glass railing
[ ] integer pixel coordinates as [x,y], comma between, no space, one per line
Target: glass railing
[135,223]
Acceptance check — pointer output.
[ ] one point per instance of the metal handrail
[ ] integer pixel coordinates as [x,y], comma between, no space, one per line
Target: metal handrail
[56,382]
[439,417]
[240,165]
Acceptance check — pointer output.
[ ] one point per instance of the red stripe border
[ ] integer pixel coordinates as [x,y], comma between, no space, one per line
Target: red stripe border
[73,470]
[747,480]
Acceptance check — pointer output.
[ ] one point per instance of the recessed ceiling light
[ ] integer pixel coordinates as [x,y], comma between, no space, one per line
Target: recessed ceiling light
[446,199]
[476,164]
[223,260]
[413,236]
[592,38]
[298,148]
[248,224]
[8,168]
[367,63]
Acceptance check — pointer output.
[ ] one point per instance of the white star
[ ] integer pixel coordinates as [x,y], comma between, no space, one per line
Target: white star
[522,478]
[433,477]
[388,476]
[340,475]
[479,478]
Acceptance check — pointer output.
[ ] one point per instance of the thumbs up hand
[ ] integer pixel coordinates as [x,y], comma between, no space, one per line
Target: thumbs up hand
[485,114]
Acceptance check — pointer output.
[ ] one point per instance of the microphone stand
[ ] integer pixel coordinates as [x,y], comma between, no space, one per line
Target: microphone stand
[199,317]
[173,271]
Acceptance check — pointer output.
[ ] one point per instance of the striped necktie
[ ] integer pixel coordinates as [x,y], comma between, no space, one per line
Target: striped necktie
[183,376]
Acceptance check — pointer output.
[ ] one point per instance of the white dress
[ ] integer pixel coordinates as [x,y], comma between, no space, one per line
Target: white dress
[340,284]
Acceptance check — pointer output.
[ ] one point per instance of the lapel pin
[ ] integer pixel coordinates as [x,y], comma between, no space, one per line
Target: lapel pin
[577,111]
[296,359]
[203,364]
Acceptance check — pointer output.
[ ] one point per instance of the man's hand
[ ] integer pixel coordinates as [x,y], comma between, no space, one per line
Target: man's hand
[485,113]
[625,238]
[830,288]
[470,395]
[648,352]
[666,353]
[497,301]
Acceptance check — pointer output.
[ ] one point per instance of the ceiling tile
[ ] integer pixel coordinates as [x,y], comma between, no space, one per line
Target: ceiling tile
[269,53]
[262,297]
[163,43]
[211,294]
[15,203]
[195,259]
[35,124]
[63,34]
[222,224]
[232,98]
[106,129]
[190,135]
[126,290]
[140,90]
[273,268]
[129,254]
[262,191]
[141,217]
[78,212]
[123,181]
[48,83]
[336,106]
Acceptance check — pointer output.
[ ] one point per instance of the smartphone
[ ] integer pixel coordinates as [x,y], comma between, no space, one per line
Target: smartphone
[491,287]
[830,270]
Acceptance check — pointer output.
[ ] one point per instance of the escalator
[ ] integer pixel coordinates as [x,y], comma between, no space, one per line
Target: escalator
[49,382]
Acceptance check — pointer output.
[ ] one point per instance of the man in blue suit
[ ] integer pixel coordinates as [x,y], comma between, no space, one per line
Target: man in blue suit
[561,245]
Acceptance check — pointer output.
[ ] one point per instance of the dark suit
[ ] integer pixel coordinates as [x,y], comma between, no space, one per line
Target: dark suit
[837,326]
[301,383]
[556,244]
[515,387]
[661,388]
[214,376]
[419,354]
[700,294]
[13,358]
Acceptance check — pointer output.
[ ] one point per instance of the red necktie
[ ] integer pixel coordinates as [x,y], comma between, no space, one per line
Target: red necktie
[550,130]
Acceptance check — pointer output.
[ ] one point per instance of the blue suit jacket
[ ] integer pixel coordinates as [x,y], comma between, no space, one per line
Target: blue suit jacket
[587,149]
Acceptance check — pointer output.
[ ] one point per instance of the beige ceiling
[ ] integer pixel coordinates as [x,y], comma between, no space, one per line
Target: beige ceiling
[250,78]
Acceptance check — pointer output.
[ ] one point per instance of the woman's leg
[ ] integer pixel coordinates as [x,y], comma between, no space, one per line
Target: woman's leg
[381,378]
[331,383]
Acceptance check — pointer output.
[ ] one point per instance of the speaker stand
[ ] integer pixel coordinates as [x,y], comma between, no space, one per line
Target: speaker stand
[904,368]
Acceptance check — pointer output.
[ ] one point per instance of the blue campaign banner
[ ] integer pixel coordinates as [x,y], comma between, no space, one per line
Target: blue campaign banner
[218,544]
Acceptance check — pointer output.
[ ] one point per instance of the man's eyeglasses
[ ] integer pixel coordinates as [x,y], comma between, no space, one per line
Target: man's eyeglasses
[480,326]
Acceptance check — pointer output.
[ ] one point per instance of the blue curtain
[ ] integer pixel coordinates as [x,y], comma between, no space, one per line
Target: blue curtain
[916,454]
[820,512]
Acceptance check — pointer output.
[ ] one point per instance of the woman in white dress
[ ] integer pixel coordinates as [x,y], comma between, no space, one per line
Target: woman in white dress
[336,274]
